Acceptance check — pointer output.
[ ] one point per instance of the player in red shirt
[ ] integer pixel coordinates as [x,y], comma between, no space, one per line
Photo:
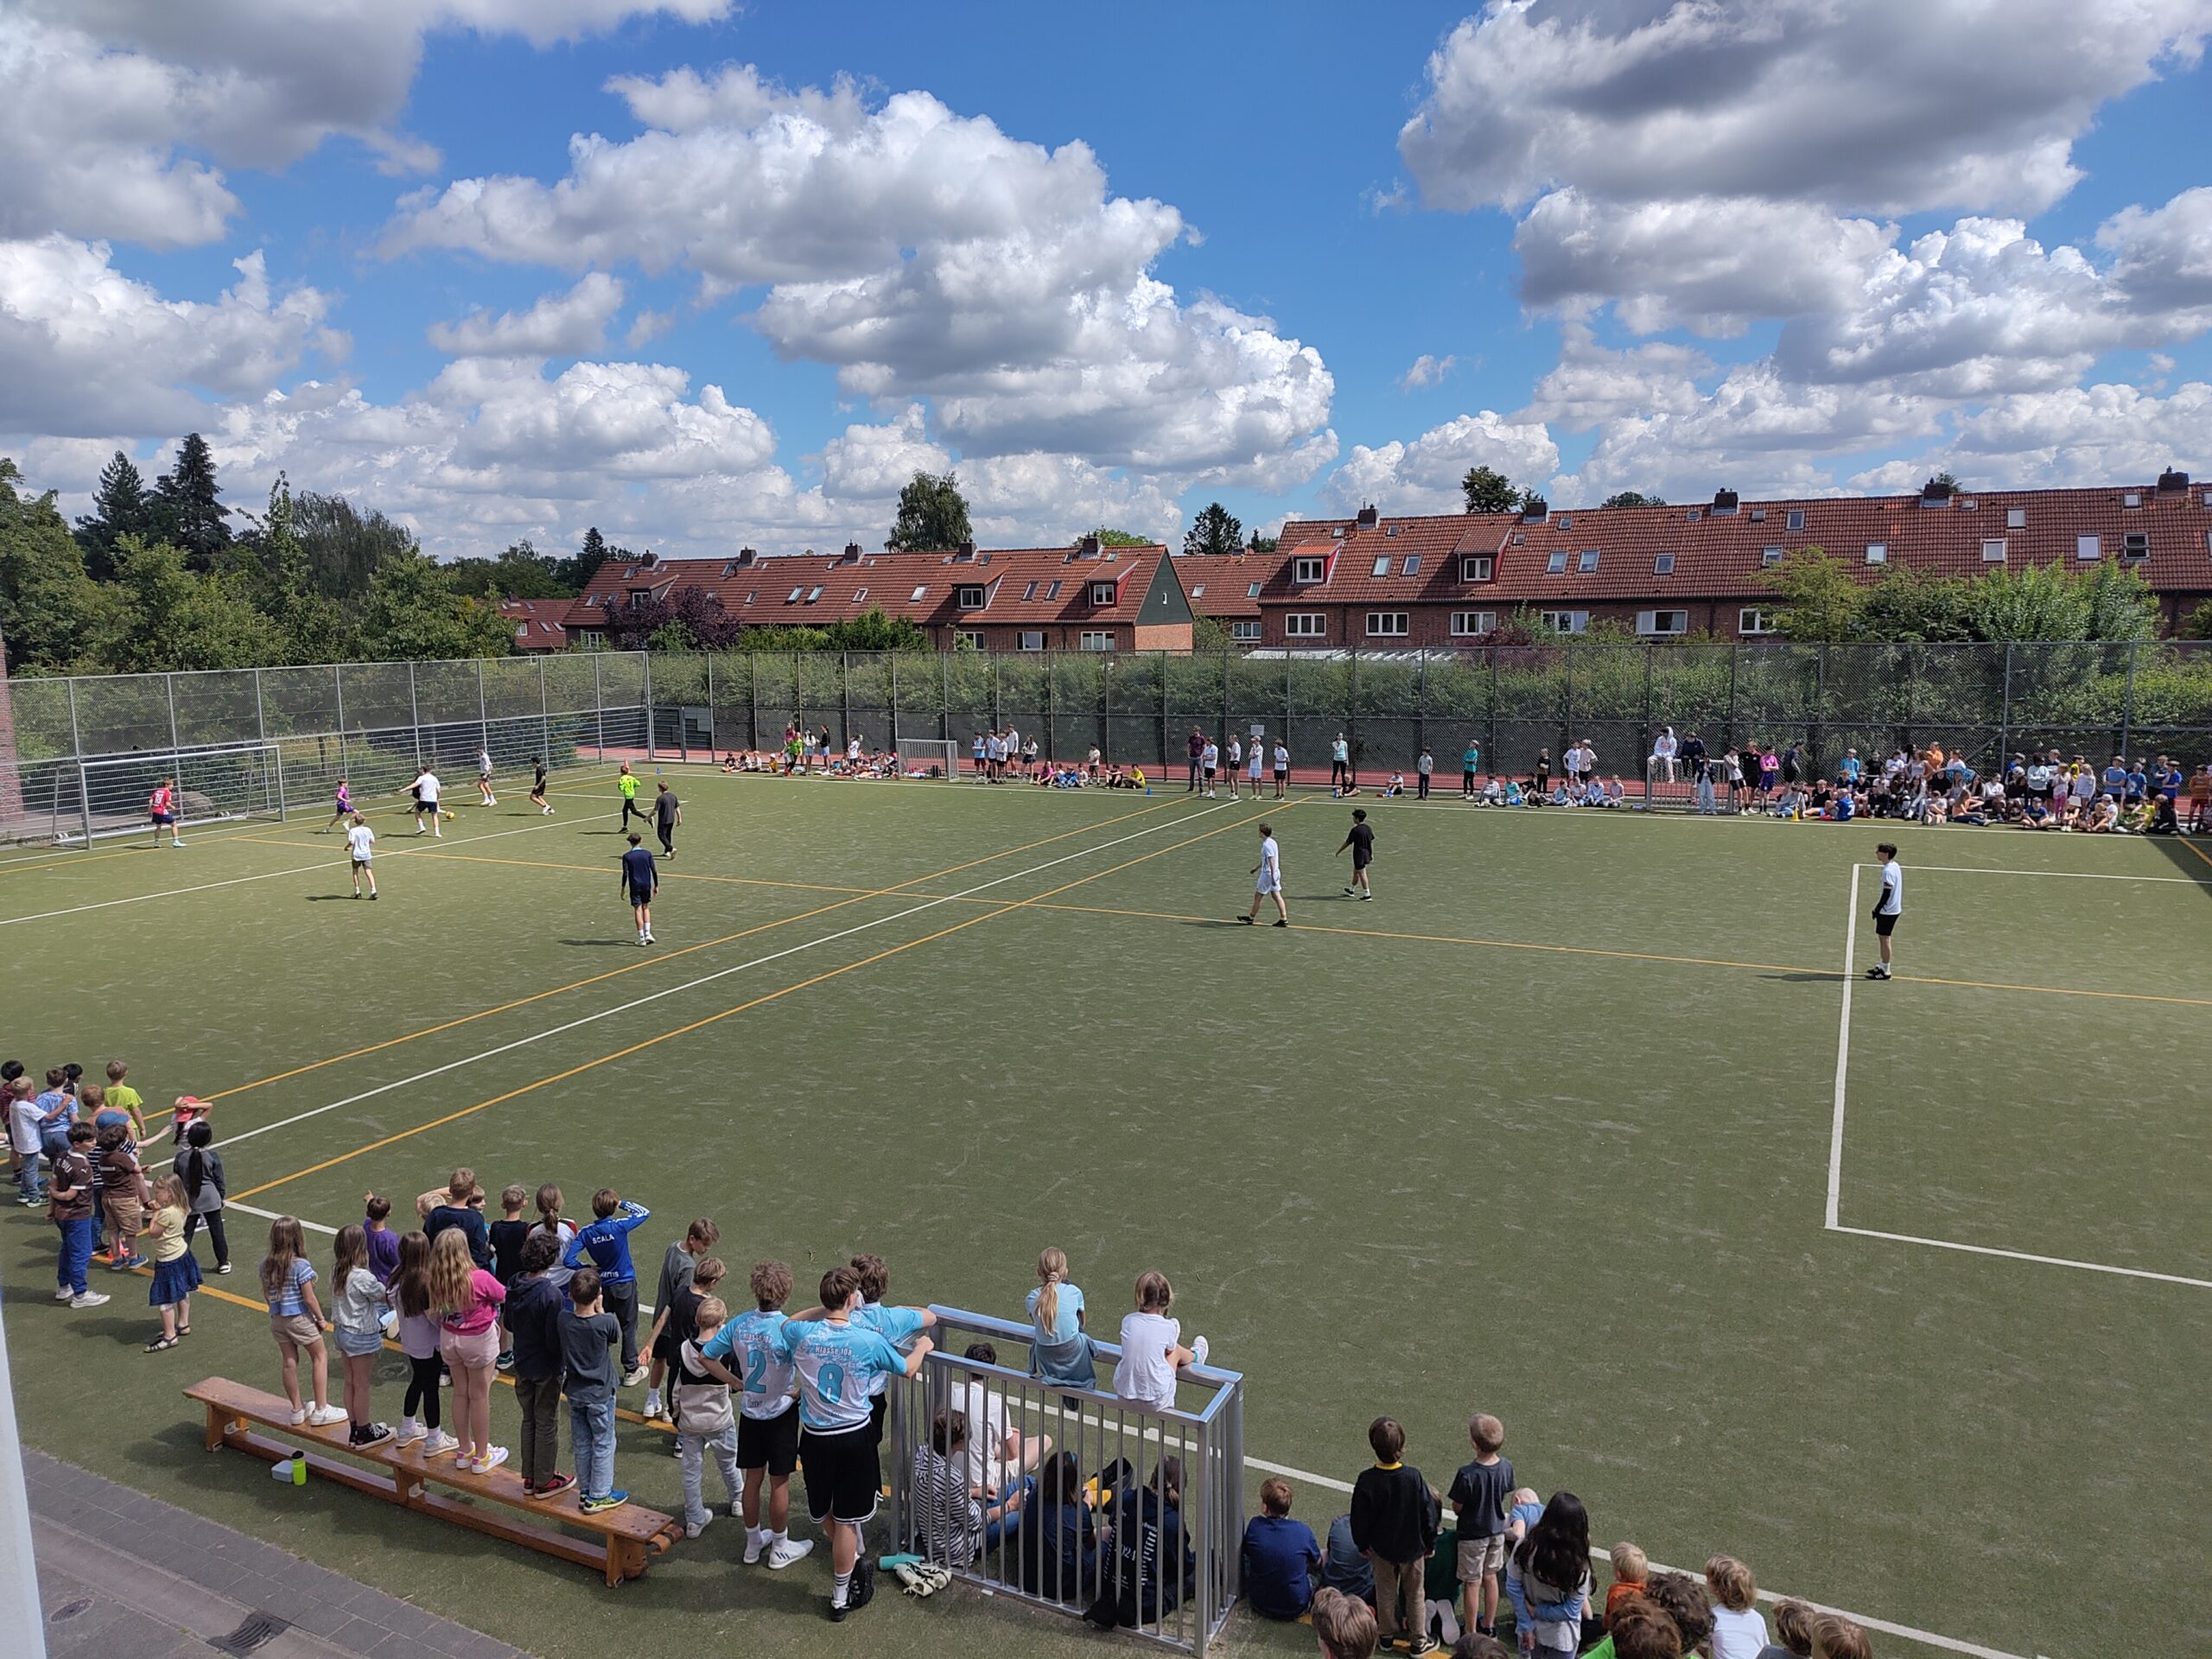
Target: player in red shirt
[160,807]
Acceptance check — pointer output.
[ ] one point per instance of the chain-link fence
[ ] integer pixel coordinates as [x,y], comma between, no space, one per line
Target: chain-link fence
[373,724]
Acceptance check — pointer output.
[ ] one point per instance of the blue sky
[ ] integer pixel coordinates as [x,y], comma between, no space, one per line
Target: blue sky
[1637,247]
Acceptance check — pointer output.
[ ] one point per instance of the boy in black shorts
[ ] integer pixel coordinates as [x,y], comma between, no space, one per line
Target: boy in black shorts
[640,880]
[1361,840]
[1889,908]
[768,1420]
[537,786]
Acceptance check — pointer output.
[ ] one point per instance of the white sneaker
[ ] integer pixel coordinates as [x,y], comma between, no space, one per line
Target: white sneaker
[755,1543]
[653,1407]
[788,1550]
[90,1299]
[324,1416]
[692,1529]
[65,1294]
[410,1432]
[299,1417]
[491,1460]
[633,1378]
[1199,1349]
[438,1443]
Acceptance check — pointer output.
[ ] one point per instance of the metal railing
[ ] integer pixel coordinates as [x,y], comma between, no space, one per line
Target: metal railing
[1142,1521]
[1515,701]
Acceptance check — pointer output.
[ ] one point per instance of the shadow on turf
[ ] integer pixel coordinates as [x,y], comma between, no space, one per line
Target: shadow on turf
[630,944]
[1808,978]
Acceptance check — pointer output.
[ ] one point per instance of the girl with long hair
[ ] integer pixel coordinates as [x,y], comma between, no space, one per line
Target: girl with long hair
[418,1339]
[295,1321]
[1547,1579]
[467,1300]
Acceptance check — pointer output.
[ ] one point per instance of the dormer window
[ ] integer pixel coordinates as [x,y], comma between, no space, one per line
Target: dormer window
[969,596]
[1306,569]
[1477,569]
[1102,593]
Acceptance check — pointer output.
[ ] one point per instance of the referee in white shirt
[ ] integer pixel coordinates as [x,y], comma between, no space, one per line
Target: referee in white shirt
[1888,908]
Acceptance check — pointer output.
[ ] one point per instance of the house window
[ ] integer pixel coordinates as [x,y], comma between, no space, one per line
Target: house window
[1654,624]
[1565,522]
[1412,566]
[969,596]
[522,630]
[589,640]
[2136,545]
[1198,591]
[793,597]
[1797,519]
[915,598]
[1053,591]
[1383,566]
[1555,565]
[1770,555]
[1245,630]
[1096,640]
[1386,625]
[1033,639]
[2089,547]
[640,598]
[2131,499]
[1993,550]
[1306,569]
[1474,622]
[2016,518]
[1102,593]
[591,602]
[1692,515]
[753,595]
[859,593]
[813,594]
[1877,552]
[1477,569]
[1758,515]
[967,638]
[1306,625]
[1029,591]
[1564,621]
[1753,620]
[1588,562]
[1663,564]
[1251,590]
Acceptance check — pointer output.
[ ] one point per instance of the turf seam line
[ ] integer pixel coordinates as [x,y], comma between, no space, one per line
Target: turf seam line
[1842,1053]
[670,991]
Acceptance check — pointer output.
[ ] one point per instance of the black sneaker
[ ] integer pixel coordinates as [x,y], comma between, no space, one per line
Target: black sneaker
[863,1586]
[837,1611]
[1279,923]
[1246,921]
[373,1434]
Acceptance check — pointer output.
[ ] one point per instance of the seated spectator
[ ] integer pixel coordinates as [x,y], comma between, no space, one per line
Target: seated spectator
[1835,1636]
[998,1454]
[1493,792]
[1614,793]
[1343,1626]
[1643,1631]
[1058,1540]
[955,1525]
[1281,1557]
[1684,1600]
[1632,1572]
[1473,1644]
[1153,1566]
[1513,797]
[1739,1632]
[2164,821]
[1343,1566]
[1793,1630]
[2104,817]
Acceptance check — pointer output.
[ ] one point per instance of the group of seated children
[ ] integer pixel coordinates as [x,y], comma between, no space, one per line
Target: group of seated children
[1532,792]
[855,761]
[1393,1574]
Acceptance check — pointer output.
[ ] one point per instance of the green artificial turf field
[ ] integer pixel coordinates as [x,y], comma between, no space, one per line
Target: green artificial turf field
[1554,1129]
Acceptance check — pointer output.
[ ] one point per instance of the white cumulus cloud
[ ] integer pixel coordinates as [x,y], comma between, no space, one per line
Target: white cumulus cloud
[558,325]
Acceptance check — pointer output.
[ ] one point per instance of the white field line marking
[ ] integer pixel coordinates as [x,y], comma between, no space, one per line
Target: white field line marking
[1842,1055]
[2059,875]
[273,1215]
[297,869]
[2025,1255]
[707,979]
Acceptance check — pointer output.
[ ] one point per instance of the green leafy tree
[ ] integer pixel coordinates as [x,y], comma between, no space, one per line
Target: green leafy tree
[2197,624]
[1260,543]
[1111,538]
[122,506]
[309,622]
[932,515]
[163,616]
[1488,490]
[874,631]
[410,613]
[1820,599]
[1911,606]
[575,573]
[344,546]
[48,602]
[1633,499]
[1214,530]
[520,572]
[2121,605]
[188,510]
[1207,634]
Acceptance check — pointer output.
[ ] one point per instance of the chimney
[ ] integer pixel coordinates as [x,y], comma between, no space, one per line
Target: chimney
[649,560]
[1088,547]
[745,557]
[1724,501]
[1367,516]
[1535,510]
[1935,493]
[852,553]
[964,554]
[2171,482]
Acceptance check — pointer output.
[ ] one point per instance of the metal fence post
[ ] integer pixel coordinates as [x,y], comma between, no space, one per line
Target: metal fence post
[598,710]
[260,721]
[1818,725]
[1728,727]
[1352,712]
[338,699]
[944,698]
[1490,667]
[845,697]
[544,716]
[483,710]
[752,699]
[2005,714]
[1421,702]
[714,747]
[1566,697]
[645,672]
[1161,657]
[1051,742]
[169,685]
[77,752]
[2128,702]
[415,716]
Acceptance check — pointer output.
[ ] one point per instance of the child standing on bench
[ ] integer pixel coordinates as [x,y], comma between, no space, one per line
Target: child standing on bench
[606,1244]
[295,1321]
[418,1339]
[468,1300]
[533,1315]
[357,1299]
[587,1330]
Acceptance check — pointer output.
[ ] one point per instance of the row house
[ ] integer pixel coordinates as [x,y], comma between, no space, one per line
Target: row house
[1662,572]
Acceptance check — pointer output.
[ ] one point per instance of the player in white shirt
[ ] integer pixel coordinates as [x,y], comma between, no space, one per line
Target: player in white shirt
[359,839]
[1235,758]
[1267,876]
[1888,908]
[426,800]
[1209,764]
[483,795]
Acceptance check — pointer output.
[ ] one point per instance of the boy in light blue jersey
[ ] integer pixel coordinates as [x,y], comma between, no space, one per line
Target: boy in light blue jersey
[897,1325]
[767,1413]
[838,1359]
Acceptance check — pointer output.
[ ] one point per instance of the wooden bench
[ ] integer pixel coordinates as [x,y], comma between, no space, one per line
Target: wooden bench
[626,1537]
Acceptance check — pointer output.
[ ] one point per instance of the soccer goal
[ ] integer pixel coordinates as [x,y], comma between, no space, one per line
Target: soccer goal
[921,754]
[213,786]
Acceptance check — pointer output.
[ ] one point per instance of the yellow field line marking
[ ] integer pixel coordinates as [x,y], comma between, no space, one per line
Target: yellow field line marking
[673,876]
[484,1013]
[2199,851]
[724,1014]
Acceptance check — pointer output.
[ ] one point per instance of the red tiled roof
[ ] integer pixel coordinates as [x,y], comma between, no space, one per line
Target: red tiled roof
[1225,586]
[1036,585]
[538,622]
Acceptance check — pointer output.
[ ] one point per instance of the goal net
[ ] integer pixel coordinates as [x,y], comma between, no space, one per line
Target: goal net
[923,754]
[213,785]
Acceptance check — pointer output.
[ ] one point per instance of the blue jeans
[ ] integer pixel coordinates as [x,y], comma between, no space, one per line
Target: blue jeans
[591,1427]
[76,1255]
[1010,1523]
[29,1185]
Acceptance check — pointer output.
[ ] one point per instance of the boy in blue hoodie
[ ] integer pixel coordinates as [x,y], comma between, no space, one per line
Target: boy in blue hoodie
[606,1240]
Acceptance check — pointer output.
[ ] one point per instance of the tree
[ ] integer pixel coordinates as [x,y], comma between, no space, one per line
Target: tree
[1207,634]
[163,616]
[48,604]
[1111,538]
[345,547]
[2121,605]
[309,622]
[575,573]
[1488,490]
[932,515]
[1215,531]
[521,572]
[409,612]
[1820,599]
[2197,624]
[1633,499]
[1910,607]
[685,617]
[1260,543]
[188,511]
[873,631]
[1949,481]
[121,506]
